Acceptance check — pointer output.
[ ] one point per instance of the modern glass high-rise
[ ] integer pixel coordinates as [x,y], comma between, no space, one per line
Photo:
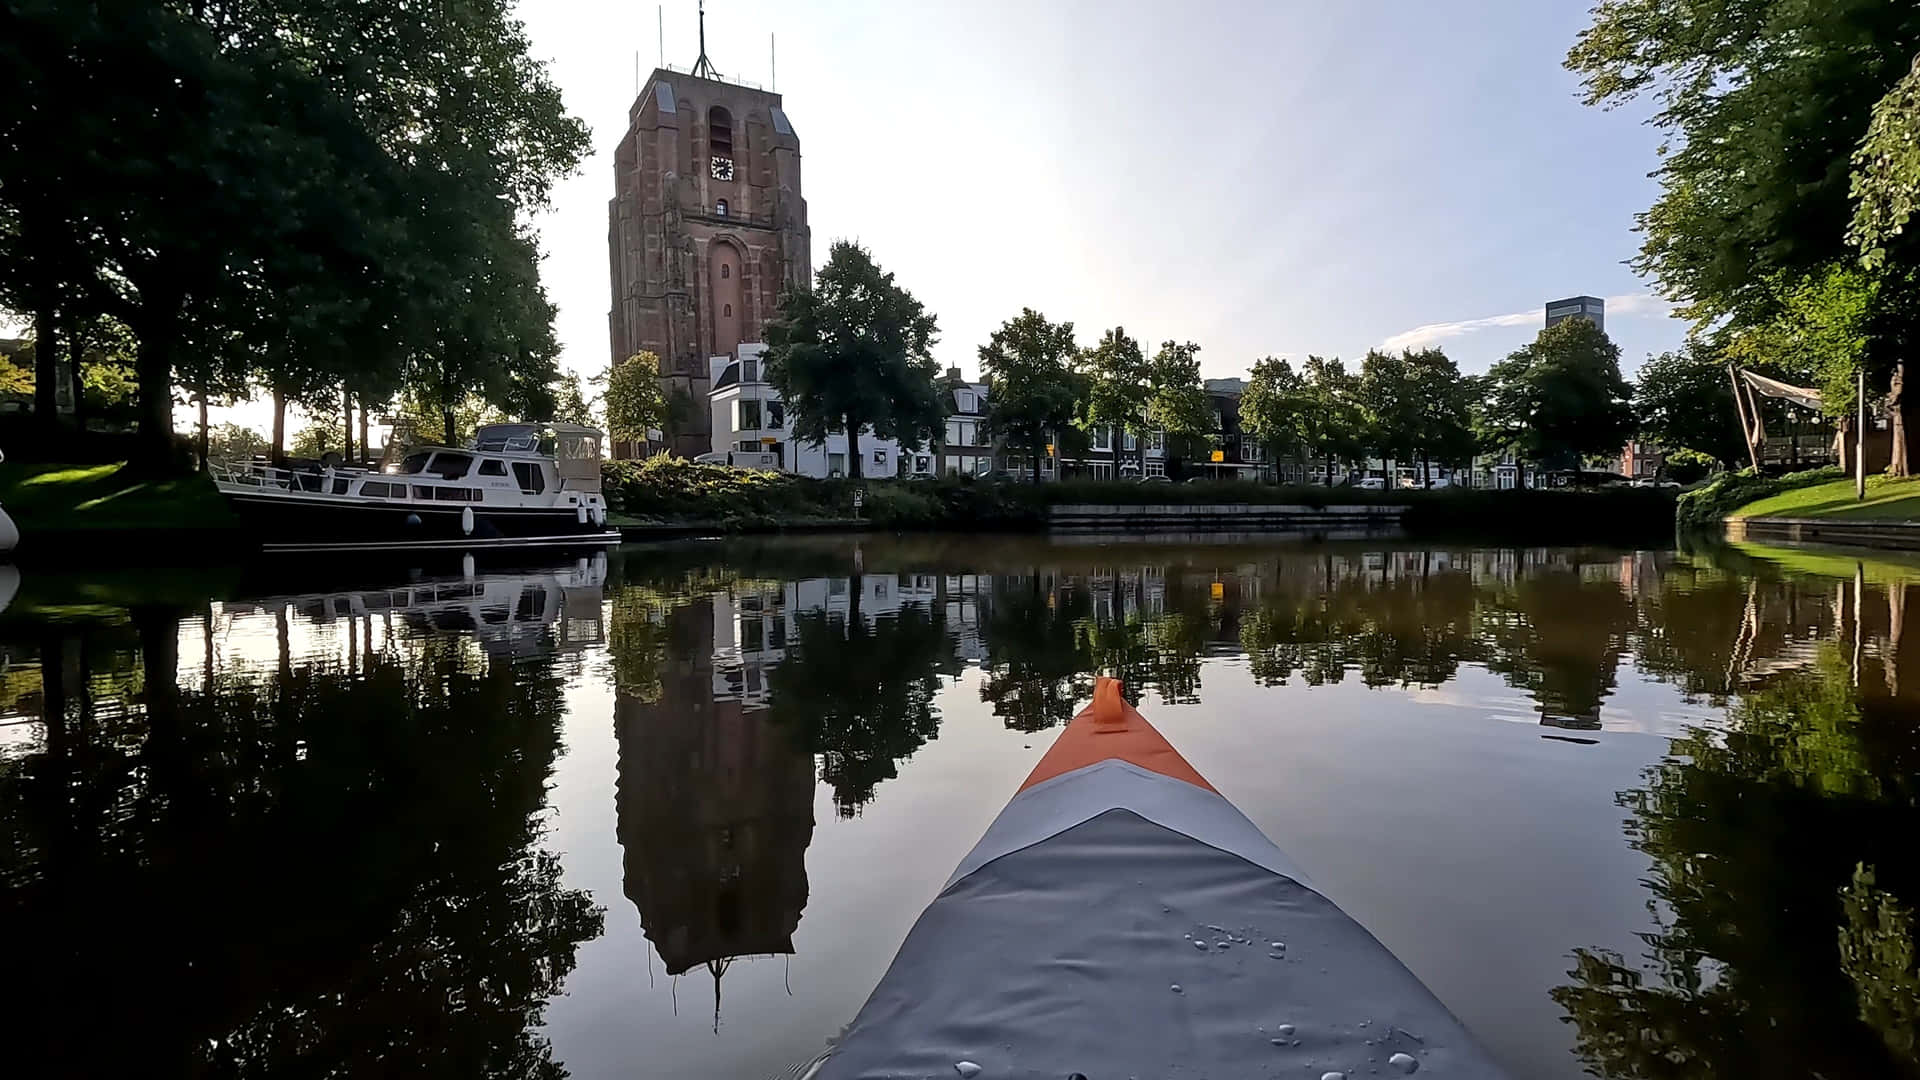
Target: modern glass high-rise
[1591,308]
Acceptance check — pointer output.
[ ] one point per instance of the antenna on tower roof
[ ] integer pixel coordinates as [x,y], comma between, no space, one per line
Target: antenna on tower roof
[703,68]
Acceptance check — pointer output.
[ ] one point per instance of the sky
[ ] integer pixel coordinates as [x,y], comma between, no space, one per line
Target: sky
[1262,178]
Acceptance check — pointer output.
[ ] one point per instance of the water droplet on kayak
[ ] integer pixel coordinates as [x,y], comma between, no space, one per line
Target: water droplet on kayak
[1216,929]
[1220,945]
[1276,945]
[1406,1063]
[1189,937]
[1201,945]
[967,1069]
[1285,1031]
[1333,1076]
[1276,956]
[1278,1042]
[1076,1076]
[1175,988]
[1364,1023]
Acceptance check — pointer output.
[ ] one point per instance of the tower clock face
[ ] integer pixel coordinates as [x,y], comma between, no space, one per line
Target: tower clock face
[722,168]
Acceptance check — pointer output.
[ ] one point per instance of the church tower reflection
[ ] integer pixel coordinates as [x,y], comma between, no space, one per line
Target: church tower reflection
[715,803]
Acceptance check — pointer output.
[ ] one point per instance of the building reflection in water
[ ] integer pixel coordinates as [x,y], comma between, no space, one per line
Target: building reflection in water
[715,801]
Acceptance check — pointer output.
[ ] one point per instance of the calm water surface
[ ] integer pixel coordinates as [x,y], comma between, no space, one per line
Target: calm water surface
[1642,814]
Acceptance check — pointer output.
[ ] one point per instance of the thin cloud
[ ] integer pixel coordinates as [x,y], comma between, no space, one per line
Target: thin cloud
[1630,305]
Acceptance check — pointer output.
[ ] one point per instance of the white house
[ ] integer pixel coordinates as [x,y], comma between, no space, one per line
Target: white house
[750,428]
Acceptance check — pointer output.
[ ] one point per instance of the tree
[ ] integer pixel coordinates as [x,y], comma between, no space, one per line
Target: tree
[634,402]
[234,442]
[853,353]
[1028,363]
[1443,410]
[1387,395]
[1118,391]
[1559,398]
[570,403]
[1777,114]
[316,440]
[1333,424]
[1684,399]
[1177,402]
[1273,409]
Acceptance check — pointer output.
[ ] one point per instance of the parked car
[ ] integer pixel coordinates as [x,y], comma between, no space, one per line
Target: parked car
[1371,483]
[1153,480]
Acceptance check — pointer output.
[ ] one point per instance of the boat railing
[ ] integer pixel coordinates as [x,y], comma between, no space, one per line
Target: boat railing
[272,477]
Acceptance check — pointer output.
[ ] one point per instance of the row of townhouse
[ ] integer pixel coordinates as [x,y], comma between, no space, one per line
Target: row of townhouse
[750,428]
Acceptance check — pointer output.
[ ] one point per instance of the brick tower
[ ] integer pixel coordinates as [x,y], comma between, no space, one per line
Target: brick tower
[706,229]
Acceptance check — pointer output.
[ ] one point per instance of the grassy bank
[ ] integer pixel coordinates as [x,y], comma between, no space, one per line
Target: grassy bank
[667,491]
[89,498]
[1888,499]
[1706,507]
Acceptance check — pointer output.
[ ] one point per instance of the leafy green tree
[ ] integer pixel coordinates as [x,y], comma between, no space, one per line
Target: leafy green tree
[1118,390]
[634,401]
[1443,410]
[1029,360]
[1177,401]
[234,442]
[1559,398]
[1387,395]
[316,440]
[1777,113]
[853,353]
[1685,466]
[1273,409]
[1684,399]
[570,404]
[1334,425]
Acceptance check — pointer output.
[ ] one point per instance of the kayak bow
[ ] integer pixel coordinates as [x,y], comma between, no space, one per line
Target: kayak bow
[1121,918]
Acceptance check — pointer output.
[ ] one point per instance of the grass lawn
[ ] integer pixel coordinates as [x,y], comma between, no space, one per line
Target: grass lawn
[107,497]
[1888,499]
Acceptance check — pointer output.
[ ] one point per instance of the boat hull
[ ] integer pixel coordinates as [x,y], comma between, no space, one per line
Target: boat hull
[322,523]
[1122,918]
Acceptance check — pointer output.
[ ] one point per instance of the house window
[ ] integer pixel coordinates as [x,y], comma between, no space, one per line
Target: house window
[1102,439]
[776,415]
[836,464]
[922,464]
[749,416]
[726,269]
[749,446]
[880,458]
[953,433]
[966,401]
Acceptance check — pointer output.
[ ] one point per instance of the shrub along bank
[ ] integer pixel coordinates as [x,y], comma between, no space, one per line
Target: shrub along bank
[1706,507]
[674,491]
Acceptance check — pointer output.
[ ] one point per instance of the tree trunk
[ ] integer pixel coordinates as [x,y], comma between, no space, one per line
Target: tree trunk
[201,443]
[366,450]
[153,368]
[1033,453]
[1426,472]
[1900,461]
[346,406]
[46,371]
[75,356]
[449,426]
[853,450]
[279,427]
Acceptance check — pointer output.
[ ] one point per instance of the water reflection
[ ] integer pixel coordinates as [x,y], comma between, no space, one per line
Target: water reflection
[325,863]
[304,829]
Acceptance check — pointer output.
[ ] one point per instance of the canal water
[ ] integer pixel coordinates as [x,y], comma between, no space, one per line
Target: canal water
[670,812]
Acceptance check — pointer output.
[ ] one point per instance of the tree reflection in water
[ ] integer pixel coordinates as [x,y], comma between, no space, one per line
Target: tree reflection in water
[1784,876]
[323,868]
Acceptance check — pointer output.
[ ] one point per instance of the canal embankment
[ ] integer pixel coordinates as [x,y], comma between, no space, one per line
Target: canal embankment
[1816,507]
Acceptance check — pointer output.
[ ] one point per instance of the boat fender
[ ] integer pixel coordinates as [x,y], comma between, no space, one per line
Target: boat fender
[413,521]
[466,521]
[580,514]
[599,515]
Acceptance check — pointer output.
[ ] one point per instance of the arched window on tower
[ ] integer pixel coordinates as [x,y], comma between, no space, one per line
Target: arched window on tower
[719,132]
[729,312]
[726,270]
[720,208]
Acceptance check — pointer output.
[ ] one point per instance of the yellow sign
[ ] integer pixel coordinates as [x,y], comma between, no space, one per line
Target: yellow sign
[1049,449]
[768,439]
[1219,455]
[1219,590]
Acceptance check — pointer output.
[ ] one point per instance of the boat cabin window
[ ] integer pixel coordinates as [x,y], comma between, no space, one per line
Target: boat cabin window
[376,489]
[412,463]
[532,480]
[451,466]
[492,467]
[422,491]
